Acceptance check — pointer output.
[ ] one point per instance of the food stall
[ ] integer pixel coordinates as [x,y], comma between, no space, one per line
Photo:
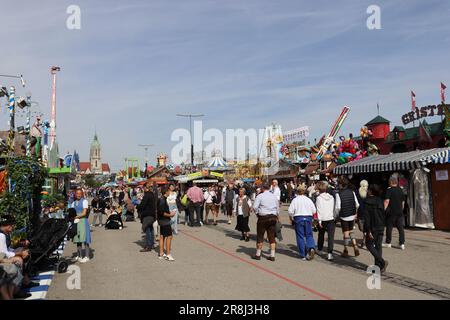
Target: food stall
[422,175]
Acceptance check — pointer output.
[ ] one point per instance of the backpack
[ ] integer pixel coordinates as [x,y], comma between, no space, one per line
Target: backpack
[217,199]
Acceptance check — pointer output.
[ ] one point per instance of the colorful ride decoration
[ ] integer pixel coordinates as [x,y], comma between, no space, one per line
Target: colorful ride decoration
[328,151]
[333,132]
[303,155]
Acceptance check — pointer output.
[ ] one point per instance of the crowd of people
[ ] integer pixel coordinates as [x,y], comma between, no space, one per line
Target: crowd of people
[319,206]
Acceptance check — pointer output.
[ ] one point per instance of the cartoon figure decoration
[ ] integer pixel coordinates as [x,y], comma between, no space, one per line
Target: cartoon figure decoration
[303,155]
[285,151]
[372,149]
[365,134]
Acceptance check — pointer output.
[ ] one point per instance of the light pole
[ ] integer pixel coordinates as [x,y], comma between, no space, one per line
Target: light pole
[53,71]
[146,146]
[190,116]
[22,81]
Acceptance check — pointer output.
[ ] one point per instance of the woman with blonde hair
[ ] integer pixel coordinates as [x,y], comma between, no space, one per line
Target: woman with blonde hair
[242,210]
[361,195]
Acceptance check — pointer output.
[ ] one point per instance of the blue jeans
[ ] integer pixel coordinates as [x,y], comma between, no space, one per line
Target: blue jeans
[149,240]
[304,234]
[186,215]
[174,222]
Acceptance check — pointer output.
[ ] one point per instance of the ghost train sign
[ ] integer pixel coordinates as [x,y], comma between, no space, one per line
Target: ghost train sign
[427,111]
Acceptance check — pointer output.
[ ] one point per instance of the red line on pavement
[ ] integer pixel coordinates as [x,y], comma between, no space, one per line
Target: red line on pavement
[322,296]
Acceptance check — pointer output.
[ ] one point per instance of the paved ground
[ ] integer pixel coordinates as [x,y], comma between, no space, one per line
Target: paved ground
[212,263]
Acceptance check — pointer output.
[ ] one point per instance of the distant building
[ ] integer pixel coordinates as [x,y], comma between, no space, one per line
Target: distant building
[422,136]
[95,165]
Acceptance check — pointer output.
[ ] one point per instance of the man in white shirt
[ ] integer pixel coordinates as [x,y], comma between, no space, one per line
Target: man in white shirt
[301,211]
[267,208]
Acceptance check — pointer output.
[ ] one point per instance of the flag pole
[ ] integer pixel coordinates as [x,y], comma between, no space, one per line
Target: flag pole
[443,87]
[413,105]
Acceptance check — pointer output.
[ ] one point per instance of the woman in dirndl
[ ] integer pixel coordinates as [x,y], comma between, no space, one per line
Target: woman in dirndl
[242,210]
[83,236]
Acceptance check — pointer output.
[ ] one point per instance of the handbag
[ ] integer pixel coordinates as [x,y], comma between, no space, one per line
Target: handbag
[184,200]
[278,227]
[164,222]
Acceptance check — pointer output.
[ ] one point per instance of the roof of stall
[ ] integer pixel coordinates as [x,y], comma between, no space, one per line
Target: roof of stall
[396,161]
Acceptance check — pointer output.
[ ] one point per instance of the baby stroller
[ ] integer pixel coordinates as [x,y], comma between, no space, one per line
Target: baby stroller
[44,246]
[114,222]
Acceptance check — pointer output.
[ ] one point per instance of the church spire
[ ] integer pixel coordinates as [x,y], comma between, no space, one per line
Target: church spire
[95,156]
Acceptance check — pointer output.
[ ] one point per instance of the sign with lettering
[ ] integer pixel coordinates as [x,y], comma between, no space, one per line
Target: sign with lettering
[427,111]
[194,175]
[296,135]
[217,174]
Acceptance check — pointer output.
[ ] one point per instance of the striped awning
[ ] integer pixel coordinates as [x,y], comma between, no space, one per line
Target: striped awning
[395,162]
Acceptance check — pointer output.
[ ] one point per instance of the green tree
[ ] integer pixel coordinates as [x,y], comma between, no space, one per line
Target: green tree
[90,181]
[25,179]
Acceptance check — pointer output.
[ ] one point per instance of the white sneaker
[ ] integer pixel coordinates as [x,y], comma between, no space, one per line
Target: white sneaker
[92,225]
[100,225]
[402,246]
[164,256]
[169,258]
[77,258]
[84,260]
[229,221]
[330,257]
[386,245]
[201,223]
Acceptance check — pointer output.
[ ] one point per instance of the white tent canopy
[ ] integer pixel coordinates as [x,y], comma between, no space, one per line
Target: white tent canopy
[217,163]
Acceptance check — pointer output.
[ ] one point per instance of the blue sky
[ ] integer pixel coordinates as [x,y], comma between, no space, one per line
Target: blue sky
[247,63]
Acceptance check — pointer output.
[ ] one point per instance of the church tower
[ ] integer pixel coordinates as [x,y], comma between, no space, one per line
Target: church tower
[95,157]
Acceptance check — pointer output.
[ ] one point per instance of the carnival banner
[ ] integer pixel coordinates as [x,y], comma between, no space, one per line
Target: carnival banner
[296,135]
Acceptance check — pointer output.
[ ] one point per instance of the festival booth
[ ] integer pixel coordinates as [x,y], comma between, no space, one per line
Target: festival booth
[423,175]
[202,178]
[283,170]
[159,176]
[61,173]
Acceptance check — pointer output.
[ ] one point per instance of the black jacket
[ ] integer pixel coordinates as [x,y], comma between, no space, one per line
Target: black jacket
[147,206]
[348,204]
[375,217]
[98,205]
